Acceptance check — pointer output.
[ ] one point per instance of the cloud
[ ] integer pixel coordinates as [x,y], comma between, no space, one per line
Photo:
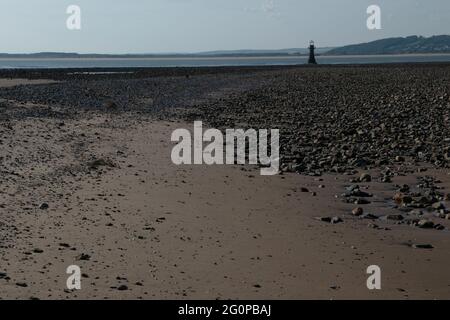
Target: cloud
[268,7]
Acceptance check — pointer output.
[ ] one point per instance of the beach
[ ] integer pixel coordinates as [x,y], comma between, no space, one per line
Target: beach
[87,180]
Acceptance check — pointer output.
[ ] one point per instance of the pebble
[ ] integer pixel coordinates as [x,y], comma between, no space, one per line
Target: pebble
[422,246]
[395,217]
[358,211]
[44,206]
[425,224]
[83,257]
[365,177]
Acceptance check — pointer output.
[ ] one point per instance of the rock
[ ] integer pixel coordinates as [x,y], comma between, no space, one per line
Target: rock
[399,159]
[438,206]
[109,104]
[37,250]
[361,194]
[369,216]
[44,206]
[425,224]
[122,287]
[416,212]
[365,177]
[439,227]
[358,211]
[100,163]
[422,246]
[395,217]
[439,214]
[21,284]
[352,187]
[83,257]
[407,200]
[354,191]
[361,201]
[336,220]
[398,198]
[447,197]
[303,189]
[332,220]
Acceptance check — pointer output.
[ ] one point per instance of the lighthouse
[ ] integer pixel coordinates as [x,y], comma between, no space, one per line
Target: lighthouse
[312,57]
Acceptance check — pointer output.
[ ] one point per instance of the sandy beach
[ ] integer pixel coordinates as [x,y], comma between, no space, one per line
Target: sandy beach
[86,179]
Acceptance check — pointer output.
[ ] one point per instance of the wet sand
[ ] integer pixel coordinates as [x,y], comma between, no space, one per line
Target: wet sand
[98,189]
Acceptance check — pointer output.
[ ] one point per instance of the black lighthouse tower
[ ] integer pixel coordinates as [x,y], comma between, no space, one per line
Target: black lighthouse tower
[312,57]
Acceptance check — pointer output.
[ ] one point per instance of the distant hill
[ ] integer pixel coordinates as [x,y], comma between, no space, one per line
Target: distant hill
[224,53]
[275,52]
[400,45]
[412,44]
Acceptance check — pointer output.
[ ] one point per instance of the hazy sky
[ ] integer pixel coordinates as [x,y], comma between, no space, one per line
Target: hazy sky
[145,26]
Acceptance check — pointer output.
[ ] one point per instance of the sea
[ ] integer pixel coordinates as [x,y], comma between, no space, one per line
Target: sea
[24,63]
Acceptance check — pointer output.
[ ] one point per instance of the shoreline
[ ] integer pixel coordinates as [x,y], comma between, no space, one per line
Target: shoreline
[217,62]
[206,57]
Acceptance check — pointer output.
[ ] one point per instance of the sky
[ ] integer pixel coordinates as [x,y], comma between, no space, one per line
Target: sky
[162,26]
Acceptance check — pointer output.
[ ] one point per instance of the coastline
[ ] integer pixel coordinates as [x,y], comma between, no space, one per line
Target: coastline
[215,61]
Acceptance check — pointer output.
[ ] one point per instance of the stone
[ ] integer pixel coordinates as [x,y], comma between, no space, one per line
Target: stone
[361,201]
[109,104]
[398,198]
[369,216]
[416,212]
[422,246]
[407,200]
[84,257]
[100,163]
[438,206]
[336,220]
[44,206]
[395,217]
[21,284]
[358,211]
[332,220]
[425,224]
[365,177]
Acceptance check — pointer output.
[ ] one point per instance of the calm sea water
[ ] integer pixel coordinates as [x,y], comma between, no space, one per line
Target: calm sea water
[203,62]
